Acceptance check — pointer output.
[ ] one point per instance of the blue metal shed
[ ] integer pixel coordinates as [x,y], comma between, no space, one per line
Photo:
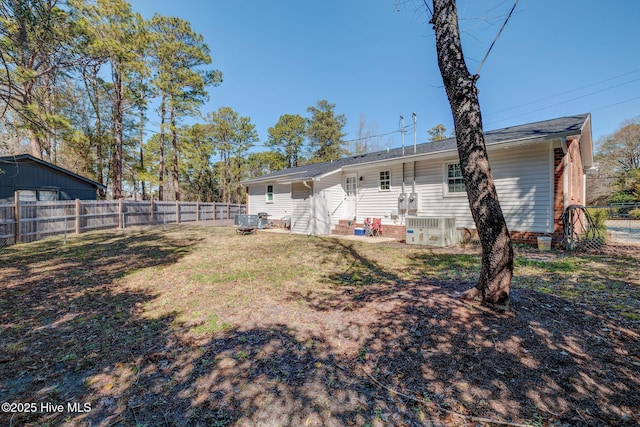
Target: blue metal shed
[36,180]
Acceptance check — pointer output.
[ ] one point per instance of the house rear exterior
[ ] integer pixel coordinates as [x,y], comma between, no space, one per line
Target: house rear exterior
[37,180]
[538,169]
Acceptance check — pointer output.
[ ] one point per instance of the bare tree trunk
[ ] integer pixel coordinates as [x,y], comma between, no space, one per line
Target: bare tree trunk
[163,112]
[141,137]
[36,144]
[174,146]
[497,251]
[118,134]
[34,139]
[90,78]
[223,177]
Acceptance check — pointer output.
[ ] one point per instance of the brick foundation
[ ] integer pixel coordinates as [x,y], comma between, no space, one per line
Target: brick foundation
[571,161]
[517,237]
[398,232]
[345,228]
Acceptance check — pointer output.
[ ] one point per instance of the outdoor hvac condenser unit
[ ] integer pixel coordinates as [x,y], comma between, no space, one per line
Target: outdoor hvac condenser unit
[430,231]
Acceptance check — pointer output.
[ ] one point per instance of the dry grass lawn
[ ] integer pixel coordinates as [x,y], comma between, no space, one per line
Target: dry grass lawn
[200,326]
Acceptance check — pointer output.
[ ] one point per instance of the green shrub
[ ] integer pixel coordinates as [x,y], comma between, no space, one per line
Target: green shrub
[622,197]
[599,218]
[634,213]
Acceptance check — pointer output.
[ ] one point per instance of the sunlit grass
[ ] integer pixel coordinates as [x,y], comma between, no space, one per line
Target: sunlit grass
[606,282]
[217,275]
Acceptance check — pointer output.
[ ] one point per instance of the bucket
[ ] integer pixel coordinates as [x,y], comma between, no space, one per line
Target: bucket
[544,243]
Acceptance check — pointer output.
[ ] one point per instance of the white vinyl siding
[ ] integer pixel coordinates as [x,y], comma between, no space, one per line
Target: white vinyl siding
[279,208]
[373,203]
[523,177]
[300,209]
[330,187]
[523,180]
[433,201]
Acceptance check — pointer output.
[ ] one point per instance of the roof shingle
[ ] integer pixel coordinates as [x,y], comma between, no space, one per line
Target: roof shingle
[554,128]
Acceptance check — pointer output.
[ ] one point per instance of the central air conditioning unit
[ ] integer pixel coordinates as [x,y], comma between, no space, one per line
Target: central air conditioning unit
[430,231]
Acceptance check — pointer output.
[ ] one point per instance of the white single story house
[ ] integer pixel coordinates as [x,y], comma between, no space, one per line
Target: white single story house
[538,169]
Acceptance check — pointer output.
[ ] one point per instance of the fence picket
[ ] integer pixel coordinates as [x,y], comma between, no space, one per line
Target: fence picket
[30,221]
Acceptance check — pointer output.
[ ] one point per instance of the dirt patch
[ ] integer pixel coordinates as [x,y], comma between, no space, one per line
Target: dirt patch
[355,334]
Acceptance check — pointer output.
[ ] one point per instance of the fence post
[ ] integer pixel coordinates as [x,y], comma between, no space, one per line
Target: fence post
[228,210]
[197,211]
[177,212]
[78,217]
[120,212]
[16,217]
[151,213]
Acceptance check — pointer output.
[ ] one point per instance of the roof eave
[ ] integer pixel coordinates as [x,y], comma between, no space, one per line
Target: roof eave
[59,169]
[268,178]
[586,144]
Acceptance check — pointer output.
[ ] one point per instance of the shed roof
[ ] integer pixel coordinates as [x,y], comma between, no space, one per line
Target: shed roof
[544,130]
[30,158]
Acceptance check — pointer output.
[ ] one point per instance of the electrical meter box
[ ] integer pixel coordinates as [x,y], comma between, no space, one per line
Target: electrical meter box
[403,203]
[412,206]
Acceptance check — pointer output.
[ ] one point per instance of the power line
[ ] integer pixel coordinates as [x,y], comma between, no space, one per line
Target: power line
[497,36]
[566,92]
[617,103]
[406,129]
[428,9]
[564,102]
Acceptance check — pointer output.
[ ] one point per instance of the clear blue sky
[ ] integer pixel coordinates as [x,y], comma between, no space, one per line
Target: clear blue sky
[377,59]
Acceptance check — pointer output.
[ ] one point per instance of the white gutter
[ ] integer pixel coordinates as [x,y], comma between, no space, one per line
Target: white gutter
[586,145]
[312,209]
[291,181]
[490,146]
[270,178]
[565,172]
[413,186]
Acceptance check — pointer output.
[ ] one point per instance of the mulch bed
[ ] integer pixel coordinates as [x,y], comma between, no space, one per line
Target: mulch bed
[394,353]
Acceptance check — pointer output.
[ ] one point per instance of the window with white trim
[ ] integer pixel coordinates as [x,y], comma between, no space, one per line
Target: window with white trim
[385,180]
[269,193]
[350,185]
[454,181]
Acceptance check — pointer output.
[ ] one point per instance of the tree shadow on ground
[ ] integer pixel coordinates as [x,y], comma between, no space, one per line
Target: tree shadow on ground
[404,352]
[62,320]
[549,359]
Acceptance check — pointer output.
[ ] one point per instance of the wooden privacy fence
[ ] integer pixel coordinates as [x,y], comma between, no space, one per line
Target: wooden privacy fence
[30,221]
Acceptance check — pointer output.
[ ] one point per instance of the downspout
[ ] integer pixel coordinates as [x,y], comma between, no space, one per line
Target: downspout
[565,165]
[402,177]
[413,187]
[584,188]
[312,213]
[246,198]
